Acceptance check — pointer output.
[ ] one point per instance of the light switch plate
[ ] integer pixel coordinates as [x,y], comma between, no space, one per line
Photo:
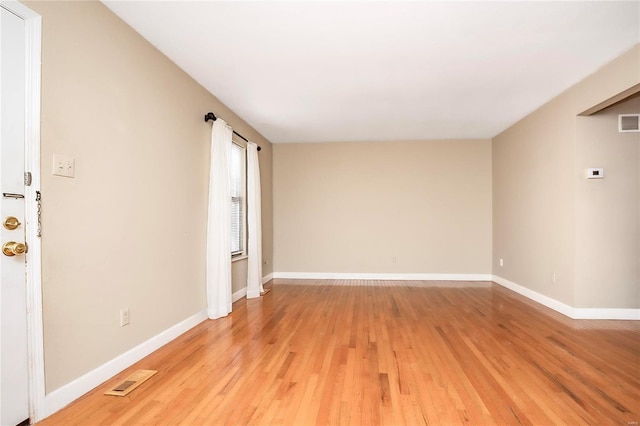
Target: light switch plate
[63,165]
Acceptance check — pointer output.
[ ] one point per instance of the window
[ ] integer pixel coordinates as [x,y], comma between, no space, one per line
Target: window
[238,199]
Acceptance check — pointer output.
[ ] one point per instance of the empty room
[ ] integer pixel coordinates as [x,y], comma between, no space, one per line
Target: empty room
[320,212]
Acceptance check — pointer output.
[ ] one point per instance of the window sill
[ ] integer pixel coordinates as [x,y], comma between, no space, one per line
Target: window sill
[239,257]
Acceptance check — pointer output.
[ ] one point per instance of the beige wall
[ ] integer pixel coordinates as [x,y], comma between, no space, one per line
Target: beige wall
[129,229]
[354,207]
[238,275]
[534,179]
[608,211]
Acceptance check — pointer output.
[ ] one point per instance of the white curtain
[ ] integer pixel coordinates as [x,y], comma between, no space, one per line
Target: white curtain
[219,223]
[254,224]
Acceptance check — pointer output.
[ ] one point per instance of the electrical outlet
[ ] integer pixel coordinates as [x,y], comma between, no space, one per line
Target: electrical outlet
[124,317]
[501,262]
[553,278]
[63,165]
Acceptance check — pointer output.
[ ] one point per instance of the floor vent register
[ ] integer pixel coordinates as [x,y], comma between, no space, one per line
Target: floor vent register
[131,383]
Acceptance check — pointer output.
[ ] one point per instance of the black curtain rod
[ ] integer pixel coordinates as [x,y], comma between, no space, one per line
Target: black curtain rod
[211,116]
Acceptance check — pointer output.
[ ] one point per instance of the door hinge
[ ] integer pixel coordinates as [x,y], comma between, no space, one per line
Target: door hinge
[27,178]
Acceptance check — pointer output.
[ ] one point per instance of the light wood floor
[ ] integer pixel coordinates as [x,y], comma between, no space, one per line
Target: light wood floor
[383,353]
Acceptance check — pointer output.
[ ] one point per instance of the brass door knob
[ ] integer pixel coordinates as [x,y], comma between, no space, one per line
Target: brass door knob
[12,248]
[11,223]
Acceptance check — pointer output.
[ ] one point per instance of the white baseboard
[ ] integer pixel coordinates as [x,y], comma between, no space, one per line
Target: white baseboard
[382,276]
[238,295]
[604,313]
[68,393]
[547,301]
[243,291]
[569,311]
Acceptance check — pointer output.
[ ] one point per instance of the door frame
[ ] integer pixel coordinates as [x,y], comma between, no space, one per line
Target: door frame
[35,334]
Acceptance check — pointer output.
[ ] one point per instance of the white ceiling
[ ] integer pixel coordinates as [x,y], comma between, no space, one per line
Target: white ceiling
[313,71]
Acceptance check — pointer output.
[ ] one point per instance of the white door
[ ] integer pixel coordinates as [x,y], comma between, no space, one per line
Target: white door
[14,385]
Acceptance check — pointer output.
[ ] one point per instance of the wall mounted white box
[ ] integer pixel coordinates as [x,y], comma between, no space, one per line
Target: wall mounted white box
[595,173]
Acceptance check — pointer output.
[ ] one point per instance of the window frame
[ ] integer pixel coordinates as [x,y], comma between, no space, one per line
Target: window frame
[243,200]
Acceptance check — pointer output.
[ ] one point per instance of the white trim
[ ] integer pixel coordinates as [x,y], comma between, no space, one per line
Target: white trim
[569,311]
[61,397]
[243,291]
[238,295]
[604,313]
[382,276]
[34,271]
[35,342]
[547,301]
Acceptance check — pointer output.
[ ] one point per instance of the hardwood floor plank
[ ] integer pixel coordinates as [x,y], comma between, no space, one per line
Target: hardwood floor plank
[383,353]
